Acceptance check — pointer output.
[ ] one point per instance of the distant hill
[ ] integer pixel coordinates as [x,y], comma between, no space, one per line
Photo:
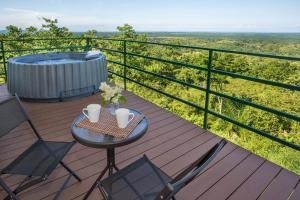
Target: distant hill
[236,36]
[217,35]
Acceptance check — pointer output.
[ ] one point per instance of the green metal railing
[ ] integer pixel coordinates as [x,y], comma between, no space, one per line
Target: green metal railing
[209,70]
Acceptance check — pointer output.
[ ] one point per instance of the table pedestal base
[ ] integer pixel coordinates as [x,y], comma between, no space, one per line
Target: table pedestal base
[110,166]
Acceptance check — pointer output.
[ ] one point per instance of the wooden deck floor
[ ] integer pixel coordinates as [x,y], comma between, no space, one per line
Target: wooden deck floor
[171,142]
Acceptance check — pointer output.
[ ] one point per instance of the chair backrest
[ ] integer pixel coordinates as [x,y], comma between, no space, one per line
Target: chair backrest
[12,114]
[186,176]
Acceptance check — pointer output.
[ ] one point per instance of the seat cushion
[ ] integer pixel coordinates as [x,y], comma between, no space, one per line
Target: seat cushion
[139,180]
[38,160]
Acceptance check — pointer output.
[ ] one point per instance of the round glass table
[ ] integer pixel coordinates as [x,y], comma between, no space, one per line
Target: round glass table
[98,140]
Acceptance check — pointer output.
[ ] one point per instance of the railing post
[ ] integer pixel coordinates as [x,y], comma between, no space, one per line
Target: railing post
[87,44]
[4,60]
[208,80]
[125,64]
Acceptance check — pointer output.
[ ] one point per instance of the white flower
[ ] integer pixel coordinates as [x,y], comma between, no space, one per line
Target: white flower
[115,99]
[119,90]
[110,93]
[116,90]
[104,87]
[106,98]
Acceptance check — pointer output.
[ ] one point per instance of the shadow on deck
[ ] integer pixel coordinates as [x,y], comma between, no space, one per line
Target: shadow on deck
[171,142]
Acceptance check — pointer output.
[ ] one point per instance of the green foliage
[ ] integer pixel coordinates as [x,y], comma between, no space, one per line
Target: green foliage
[51,28]
[90,34]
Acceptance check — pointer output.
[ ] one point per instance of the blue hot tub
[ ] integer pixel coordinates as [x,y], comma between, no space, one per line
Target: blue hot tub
[54,76]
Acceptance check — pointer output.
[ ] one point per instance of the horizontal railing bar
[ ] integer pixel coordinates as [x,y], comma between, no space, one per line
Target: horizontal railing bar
[261,107]
[115,62]
[220,50]
[170,45]
[39,49]
[258,80]
[290,58]
[111,50]
[168,78]
[250,128]
[112,72]
[168,61]
[109,39]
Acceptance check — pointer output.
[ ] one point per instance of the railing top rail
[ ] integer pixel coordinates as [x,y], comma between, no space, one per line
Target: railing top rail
[221,50]
[290,58]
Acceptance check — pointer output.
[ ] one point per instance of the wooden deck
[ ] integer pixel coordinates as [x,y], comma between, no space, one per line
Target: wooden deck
[171,142]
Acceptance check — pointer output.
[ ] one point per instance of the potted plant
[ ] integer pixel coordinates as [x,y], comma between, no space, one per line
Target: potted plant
[111,95]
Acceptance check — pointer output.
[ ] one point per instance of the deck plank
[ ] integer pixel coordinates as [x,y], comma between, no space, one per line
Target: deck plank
[256,184]
[281,186]
[296,193]
[223,188]
[171,142]
[207,179]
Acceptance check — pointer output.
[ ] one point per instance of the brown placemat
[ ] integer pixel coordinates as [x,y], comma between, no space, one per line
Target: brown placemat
[107,124]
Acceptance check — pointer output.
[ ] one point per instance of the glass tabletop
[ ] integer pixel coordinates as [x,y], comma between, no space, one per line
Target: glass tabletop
[97,140]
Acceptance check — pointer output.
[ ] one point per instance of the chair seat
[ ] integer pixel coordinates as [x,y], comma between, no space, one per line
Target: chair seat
[139,180]
[37,161]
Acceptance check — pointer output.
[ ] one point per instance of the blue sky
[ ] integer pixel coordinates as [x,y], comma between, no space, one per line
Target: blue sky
[157,15]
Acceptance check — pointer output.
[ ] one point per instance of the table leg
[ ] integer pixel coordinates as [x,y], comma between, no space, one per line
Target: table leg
[110,160]
[110,166]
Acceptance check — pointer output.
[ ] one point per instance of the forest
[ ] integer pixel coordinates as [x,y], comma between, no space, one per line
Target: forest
[283,71]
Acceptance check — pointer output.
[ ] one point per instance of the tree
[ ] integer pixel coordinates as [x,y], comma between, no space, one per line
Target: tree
[51,28]
[13,32]
[126,32]
[90,34]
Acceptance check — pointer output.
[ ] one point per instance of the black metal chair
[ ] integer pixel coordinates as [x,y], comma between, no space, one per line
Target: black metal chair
[144,181]
[39,160]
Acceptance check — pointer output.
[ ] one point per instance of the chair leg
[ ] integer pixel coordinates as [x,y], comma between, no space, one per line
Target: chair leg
[20,188]
[10,193]
[62,187]
[95,184]
[70,171]
[25,181]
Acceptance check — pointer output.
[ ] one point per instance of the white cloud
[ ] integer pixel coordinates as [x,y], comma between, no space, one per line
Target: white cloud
[25,18]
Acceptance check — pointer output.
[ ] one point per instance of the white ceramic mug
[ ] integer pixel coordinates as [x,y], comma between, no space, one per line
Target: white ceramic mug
[123,115]
[93,112]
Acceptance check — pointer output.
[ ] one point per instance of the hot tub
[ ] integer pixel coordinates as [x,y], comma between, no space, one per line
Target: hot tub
[55,76]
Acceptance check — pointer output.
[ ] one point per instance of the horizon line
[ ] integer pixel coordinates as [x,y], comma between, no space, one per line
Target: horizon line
[180,31]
